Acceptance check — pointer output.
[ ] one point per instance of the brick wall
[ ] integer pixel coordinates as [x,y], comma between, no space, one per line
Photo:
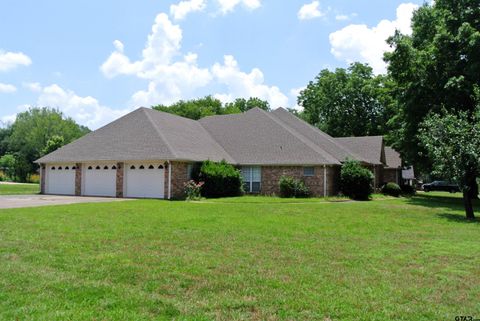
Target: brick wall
[392,175]
[271,176]
[78,179]
[377,170]
[119,180]
[179,177]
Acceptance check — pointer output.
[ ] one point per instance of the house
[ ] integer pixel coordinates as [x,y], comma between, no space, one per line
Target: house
[392,171]
[371,148]
[149,154]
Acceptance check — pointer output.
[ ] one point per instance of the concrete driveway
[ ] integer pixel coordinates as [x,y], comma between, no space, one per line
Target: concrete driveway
[18,201]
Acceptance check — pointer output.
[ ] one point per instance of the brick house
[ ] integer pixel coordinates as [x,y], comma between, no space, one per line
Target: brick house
[149,154]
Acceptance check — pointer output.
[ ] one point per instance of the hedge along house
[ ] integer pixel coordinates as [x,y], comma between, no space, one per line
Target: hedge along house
[148,154]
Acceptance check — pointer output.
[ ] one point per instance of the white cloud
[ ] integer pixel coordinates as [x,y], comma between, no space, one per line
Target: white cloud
[33,86]
[310,11]
[294,93]
[10,60]
[361,43]
[183,8]
[241,84]
[227,6]
[84,110]
[173,75]
[7,88]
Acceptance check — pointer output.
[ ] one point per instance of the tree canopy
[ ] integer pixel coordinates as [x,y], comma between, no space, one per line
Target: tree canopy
[348,102]
[437,67]
[28,136]
[452,140]
[209,106]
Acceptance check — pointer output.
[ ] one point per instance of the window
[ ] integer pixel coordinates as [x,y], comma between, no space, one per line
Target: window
[105,167]
[252,177]
[189,171]
[309,171]
[151,167]
[114,167]
[98,167]
[74,167]
[59,168]
[160,166]
[67,168]
[53,168]
[90,167]
[132,167]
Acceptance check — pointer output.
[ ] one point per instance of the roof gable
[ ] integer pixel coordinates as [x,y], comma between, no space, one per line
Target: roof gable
[392,158]
[370,148]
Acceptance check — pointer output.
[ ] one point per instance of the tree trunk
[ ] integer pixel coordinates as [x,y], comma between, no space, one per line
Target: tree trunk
[473,188]
[467,201]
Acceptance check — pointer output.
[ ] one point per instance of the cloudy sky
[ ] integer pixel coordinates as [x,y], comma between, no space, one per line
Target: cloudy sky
[97,60]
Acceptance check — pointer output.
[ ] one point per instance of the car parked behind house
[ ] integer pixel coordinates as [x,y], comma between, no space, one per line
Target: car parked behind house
[441,186]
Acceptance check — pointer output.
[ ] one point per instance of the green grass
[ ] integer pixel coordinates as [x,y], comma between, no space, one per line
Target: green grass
[18,189]
[391,259]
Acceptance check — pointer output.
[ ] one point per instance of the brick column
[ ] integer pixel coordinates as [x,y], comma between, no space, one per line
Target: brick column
[42,178]
[119,181]
[78,179]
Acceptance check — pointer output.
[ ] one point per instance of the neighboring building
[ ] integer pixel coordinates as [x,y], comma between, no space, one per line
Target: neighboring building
[148,153]
[372,149]
[408,176]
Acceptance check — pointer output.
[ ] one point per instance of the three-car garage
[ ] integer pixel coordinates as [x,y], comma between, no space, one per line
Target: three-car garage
[135,179]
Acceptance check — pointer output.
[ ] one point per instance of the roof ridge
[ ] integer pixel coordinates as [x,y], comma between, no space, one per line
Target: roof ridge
[328,137]
[158,131]
[301,137]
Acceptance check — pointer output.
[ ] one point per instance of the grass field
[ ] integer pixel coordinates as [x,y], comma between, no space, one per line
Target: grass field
[17,189]
[241,259]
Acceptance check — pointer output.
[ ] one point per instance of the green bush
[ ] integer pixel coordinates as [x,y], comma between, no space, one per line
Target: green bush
[290,187]
[391,189]
[221,180]
[408,190]
[356,181]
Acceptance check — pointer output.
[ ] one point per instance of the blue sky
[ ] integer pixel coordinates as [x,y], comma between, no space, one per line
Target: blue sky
[97,60]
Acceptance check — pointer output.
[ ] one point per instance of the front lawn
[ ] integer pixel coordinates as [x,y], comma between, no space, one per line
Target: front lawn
[389,259]
[17,189]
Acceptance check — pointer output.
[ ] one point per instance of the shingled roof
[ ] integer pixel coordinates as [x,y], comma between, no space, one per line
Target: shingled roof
[258,138]
[255,137]
[144,134]
[370,148]
[392,158]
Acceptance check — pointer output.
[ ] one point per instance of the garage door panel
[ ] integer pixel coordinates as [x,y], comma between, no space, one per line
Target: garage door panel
[60,179]
[145,180]
[100,180]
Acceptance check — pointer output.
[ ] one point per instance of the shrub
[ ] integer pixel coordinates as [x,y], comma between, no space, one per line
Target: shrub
[221,179]
[290,187]
[408,190]
[391,189]
[193,190]
[356,181]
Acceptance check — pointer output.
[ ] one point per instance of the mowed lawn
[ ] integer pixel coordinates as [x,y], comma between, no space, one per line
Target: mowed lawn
[18,189]
[241,259]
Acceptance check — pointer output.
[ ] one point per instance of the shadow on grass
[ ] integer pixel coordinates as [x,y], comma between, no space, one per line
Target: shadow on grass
[457,218]
[439,201]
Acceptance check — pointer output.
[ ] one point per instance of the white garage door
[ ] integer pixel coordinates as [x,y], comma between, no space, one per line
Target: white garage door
[100,180]
[144,180]
[60,179]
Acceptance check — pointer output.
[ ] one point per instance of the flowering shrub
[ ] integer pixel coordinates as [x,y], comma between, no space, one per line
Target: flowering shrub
[193,190]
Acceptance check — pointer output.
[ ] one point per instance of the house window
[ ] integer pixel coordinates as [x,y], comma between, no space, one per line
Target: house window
[252,178]
[309,171]
[189,171]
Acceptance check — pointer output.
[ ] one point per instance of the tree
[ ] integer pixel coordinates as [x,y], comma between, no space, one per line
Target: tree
[209,106]
[32,130]
[348,102]
[452,141]
[243,105]
[53,144]
[7,165]
[437,67]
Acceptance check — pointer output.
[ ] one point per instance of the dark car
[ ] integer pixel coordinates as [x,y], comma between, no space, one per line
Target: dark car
[441,186]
